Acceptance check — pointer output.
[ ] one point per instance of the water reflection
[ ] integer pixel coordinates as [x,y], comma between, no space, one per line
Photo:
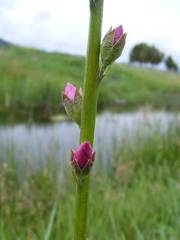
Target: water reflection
[35,144]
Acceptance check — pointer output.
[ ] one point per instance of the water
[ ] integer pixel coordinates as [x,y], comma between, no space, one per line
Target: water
[35,144]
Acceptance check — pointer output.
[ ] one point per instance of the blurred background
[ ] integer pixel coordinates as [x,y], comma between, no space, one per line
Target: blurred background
[137,138]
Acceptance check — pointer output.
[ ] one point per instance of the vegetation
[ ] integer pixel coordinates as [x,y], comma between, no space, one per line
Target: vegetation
[139,189]
[31,81]
[144,53]
[170,64]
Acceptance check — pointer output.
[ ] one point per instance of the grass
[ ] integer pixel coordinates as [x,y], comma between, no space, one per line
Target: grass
[136,197]
[31,82]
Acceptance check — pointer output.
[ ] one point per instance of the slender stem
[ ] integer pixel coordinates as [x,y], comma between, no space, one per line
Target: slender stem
[89,108]
[81,208]
[90,89]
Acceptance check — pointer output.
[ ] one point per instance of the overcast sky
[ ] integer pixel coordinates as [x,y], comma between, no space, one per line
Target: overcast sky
[63,25]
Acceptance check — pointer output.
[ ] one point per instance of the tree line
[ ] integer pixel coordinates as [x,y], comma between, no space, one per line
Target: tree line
[144,53]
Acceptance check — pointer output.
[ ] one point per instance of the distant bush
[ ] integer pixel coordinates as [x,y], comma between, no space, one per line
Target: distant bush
[144,53]
[170,64]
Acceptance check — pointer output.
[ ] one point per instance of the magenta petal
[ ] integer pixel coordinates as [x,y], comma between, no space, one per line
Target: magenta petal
[70,91]
[87,150]
[118,32]
[83,154]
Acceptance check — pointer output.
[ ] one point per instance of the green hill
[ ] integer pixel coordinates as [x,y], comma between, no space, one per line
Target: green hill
[31,81]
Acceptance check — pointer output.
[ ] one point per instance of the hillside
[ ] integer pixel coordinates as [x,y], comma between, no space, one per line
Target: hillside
[32,80]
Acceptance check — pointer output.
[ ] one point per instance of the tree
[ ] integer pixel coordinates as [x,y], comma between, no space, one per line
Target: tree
[4,43]
[170,64]
[144,53]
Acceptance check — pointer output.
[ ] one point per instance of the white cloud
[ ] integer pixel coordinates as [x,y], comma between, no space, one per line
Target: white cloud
[63,25]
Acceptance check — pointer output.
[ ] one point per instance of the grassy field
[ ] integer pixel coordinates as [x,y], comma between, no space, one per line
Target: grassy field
[135,198]
[31,81]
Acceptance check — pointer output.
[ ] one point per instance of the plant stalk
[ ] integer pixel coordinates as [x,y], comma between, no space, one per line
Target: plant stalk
[89,108]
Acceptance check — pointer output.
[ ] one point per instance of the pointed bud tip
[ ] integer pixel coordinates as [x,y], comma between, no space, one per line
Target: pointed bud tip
[118,33]
[69,91]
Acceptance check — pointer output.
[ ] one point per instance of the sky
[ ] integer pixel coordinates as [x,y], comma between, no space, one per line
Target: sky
[58,25]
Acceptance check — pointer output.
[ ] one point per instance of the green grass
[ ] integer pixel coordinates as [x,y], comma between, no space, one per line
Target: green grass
[32,80]
[136,197]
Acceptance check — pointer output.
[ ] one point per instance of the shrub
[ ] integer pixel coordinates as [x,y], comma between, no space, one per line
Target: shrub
[170,64]
[144,53]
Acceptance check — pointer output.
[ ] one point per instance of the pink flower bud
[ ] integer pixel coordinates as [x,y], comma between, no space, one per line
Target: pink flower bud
[70,91]
[118,33]
[83,156]
[72,99]
[112,45]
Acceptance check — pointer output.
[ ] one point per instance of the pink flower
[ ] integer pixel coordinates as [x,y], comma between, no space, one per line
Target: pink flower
[83,156]
[70,91]
[118,33]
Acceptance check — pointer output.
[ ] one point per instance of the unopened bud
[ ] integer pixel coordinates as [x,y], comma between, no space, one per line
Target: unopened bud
[82,158]
[112,46]
[72,99]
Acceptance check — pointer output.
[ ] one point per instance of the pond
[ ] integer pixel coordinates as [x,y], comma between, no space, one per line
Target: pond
[37,143]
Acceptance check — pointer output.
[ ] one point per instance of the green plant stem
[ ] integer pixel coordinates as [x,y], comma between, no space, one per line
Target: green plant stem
[89,108]
[81,208]
[90,88]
